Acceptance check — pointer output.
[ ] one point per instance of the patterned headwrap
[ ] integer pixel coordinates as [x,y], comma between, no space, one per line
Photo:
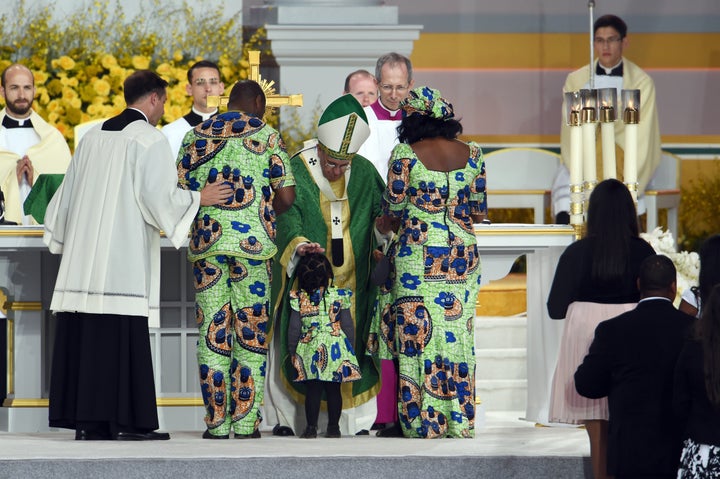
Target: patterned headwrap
[427,101]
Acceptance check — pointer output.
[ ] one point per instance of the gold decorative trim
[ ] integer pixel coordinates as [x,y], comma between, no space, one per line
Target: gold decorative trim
[21,232]
[661,192]
[161,402]
[518,192]
[24,305]
[554,140]
[552,50]
[179,401]
[26,402]
[10,356]
[480,231]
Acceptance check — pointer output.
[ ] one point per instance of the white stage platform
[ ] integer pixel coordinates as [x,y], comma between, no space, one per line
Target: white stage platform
[505,447]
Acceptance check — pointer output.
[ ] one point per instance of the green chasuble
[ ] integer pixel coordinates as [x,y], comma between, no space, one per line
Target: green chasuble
[308,220]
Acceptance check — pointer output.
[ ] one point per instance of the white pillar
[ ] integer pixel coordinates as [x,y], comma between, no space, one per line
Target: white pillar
[316,43]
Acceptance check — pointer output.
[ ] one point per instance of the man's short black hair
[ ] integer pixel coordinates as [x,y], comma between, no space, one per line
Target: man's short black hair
[657,273]
[142,83]
[611,21]
[202,64]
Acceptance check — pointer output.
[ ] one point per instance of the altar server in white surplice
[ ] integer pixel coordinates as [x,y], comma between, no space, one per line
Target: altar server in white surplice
[203,81]
[119,192]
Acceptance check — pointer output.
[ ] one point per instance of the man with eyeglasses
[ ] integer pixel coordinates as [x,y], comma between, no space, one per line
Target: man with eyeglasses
[203,81]
[337,202]
[393,77]
[612,70]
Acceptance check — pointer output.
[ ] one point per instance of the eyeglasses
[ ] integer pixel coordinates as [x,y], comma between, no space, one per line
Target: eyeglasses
[331,166]
[203,82]
[398,88]
[607,41]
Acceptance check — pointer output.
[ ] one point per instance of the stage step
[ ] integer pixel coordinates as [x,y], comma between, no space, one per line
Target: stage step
[509,363]
[501,369]
[493,332]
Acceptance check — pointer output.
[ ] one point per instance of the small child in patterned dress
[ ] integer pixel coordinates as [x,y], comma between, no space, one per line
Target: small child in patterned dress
[320,341]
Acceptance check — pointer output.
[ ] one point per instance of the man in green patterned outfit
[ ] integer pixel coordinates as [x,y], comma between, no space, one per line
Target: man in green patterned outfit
[231,249]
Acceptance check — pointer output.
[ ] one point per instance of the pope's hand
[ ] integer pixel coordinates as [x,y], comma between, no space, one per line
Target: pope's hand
[309,248]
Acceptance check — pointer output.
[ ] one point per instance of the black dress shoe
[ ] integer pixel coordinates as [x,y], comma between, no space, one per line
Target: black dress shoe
[207,435]
[279,430]
[393,430]
[89,435]
[142,436]
[255,435]
[310,432]
[333,432]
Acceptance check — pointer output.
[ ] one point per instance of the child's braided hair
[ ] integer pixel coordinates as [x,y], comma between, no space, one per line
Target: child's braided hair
[314,271]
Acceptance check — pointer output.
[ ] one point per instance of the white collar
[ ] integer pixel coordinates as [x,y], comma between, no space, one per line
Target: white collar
[202,115]
[143,113]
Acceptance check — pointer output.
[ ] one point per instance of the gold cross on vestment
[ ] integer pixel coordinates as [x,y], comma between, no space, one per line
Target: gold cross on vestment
[272,100]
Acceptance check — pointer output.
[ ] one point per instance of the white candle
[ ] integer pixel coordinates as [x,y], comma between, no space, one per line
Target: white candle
[630,167]
[589,157]
[608,101]
[576,166]
[631,117]
[576,176]
[607,131]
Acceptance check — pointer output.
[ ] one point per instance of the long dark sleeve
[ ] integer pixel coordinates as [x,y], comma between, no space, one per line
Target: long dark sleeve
[294,326]
[593,378]
[564,286]
[346,324]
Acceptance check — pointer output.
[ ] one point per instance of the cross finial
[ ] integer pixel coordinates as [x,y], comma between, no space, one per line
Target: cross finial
[272,100]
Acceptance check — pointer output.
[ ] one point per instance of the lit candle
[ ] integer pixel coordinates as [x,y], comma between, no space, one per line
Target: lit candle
[608,100]
[631,117]
[589,117]
[572,119]
[573,104]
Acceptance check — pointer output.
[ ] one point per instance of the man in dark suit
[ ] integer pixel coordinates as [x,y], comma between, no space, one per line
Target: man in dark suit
[631,361]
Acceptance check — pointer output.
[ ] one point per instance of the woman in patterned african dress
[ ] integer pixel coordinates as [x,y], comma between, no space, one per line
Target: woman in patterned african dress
[425,311]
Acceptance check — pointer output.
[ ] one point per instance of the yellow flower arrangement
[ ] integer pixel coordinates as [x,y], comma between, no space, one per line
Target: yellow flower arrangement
[80,62]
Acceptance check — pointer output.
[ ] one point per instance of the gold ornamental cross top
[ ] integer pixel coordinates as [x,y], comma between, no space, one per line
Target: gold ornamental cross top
[272,99]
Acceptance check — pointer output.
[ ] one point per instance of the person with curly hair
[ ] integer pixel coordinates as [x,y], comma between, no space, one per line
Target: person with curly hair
[321,340]
[425,311]
[696,394]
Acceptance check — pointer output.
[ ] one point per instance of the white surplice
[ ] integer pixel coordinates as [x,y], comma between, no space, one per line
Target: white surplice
[119,192]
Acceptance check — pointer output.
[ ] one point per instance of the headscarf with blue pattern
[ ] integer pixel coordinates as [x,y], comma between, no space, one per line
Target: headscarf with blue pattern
[428,102]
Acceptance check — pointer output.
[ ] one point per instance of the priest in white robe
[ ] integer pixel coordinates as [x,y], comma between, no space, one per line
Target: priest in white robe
[612,70]
[29,146]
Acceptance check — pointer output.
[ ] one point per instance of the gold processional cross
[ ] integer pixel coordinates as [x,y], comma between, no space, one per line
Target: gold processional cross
[272,99]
